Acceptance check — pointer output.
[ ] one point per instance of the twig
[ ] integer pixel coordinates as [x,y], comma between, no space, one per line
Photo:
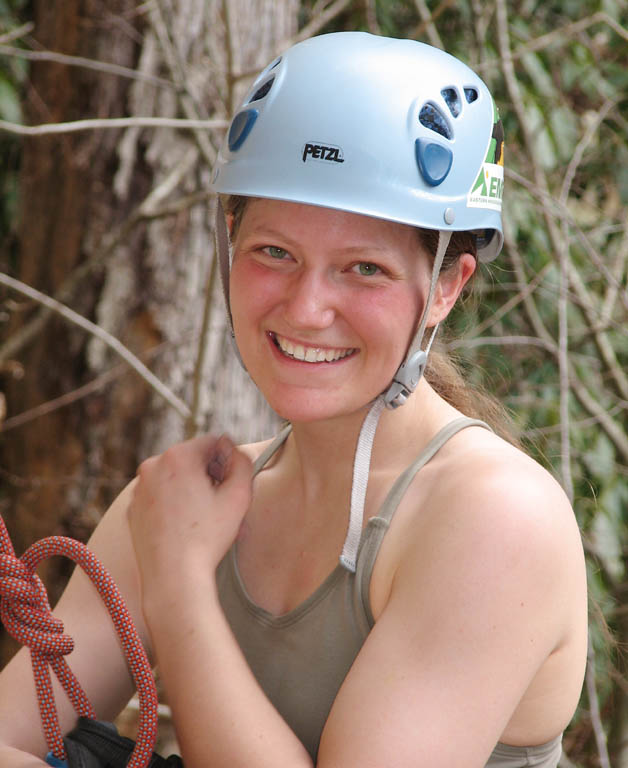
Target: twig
[570,270]
[229,46]
[192,424]
[569,31]
[370,10]
[318,20]
[590,404]
[317,23]
[560,35]
[74,396]
[177,70]
[109,123]
[481,341]
[563,371]
[15,34]
[579,151]
[565,762]
[99,333]
[428,23]
[551,204]
[60,402]
[148,209]
[495,317]
[80,61]
[590,421]
[617,268]
[594,709]
[429,20]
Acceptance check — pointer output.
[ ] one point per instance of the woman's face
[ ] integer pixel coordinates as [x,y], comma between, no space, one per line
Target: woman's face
[324,304]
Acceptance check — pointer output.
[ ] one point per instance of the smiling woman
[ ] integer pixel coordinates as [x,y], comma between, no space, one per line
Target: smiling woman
[387,582]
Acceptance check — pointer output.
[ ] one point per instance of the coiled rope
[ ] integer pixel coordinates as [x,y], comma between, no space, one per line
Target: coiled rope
[25,612]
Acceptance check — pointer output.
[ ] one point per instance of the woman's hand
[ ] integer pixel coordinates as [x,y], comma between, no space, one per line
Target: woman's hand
[187,508]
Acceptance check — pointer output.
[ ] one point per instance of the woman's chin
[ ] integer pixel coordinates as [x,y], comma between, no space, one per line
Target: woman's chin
[311,406]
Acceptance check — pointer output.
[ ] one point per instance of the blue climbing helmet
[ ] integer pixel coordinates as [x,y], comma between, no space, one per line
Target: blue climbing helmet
[389,128]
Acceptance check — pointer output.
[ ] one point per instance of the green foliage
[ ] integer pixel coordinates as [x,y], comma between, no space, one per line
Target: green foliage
[551,118]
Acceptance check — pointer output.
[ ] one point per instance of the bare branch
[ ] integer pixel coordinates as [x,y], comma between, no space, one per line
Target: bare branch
[569,31]
[80,61]
[99,333]
[148,209]
[109,123]
[594,709]
[495,317]
[560,35]
[177,69]
[192,424]
[428,24]
[60,402]
[429,20]
[569,269]
[579,151]
[318,22]
[550,204]
[590,421]
[95,385]
[370,9]
[15,34]
[617,268]
[482,341]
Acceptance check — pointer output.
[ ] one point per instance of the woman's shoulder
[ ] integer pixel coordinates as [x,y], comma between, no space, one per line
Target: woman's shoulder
[480,479]
[483,496]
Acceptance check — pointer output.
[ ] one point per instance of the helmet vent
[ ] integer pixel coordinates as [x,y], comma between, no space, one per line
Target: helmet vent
[452,99]
[262,90]
[471,94]
[431,117]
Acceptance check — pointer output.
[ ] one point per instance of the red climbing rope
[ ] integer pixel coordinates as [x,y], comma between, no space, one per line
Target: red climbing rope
[25,612]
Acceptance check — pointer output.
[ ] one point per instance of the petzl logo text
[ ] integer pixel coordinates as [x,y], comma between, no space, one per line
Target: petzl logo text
[322,152]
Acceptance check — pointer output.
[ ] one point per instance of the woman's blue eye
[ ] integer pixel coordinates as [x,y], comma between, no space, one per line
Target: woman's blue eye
[276,253]
[367,268]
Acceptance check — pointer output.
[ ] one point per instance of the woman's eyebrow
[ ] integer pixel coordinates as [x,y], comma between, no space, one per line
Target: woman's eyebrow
[269,232]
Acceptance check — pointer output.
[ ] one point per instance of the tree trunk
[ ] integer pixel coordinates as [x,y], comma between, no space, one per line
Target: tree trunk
[79,193]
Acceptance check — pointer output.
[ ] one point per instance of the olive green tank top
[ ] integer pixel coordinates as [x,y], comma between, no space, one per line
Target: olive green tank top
[301,658]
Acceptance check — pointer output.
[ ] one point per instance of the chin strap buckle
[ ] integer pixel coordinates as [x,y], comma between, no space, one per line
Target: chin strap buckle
[406,379]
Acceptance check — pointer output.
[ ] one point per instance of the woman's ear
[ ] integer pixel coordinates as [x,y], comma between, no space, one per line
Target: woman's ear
[229,218]
[449,287]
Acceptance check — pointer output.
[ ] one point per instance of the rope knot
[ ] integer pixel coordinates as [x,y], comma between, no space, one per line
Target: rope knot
[25,610]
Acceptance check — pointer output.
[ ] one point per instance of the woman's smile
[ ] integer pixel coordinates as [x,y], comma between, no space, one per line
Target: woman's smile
[307,353]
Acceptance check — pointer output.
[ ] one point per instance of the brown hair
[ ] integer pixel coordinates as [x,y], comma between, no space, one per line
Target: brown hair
[442,373]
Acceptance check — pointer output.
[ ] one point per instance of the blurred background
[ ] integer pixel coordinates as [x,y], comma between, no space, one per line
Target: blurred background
[115,222]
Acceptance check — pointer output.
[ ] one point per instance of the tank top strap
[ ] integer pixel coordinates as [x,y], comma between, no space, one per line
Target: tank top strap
[400,486]
[378,525]
[270,450]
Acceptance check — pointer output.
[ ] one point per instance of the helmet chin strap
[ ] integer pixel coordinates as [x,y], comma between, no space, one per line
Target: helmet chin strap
[404,383]
[223,252]
[409,373]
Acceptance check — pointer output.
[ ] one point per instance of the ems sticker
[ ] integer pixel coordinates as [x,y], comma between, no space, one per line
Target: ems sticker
[488,189]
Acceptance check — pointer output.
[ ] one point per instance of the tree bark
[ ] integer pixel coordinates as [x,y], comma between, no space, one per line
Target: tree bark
[63,469]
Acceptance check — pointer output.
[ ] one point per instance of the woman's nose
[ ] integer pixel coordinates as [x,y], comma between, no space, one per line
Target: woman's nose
[311,301]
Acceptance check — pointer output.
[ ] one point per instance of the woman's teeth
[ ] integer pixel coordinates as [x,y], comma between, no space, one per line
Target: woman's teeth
[310,354]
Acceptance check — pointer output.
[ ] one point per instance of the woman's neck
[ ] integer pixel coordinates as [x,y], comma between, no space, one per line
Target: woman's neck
[322,452]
